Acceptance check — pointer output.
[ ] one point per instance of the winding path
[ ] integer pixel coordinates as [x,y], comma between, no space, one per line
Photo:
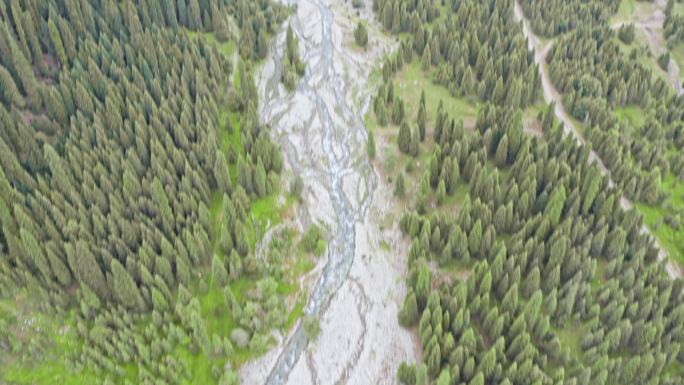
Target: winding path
[320,128]
[551,94]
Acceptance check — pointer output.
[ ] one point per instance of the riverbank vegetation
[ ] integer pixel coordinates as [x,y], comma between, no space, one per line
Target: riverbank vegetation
[293,67]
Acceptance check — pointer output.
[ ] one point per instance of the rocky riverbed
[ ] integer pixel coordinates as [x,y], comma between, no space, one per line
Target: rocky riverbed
[359,286]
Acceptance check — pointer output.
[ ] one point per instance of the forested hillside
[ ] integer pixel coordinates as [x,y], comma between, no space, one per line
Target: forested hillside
[594,89]
[523,267]
[626,107]
[135,181]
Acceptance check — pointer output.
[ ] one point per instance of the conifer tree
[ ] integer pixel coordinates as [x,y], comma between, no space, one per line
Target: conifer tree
[219,275]
[244,175]
[433,358]
[441,192]
[260,182]
[422,119]
[125,287]
[532,282]
[219,24]
[158,301]
[59,268]
[370,145]
[397,111]
[475,238]
[194,15]
[25,76]
[183,275]
[664,61]
[57,43]
[404,138]
[162,202]
[381,113]
[9,93]
[82,262]
[426,59]
[502,151]
[444,378]
[221,173]
[590,189]
[414,145]
[361,35]
[423,283]
[554,207]
[488,362]
[409,313]
[406,374]
[422,374]
[478,379]
[399,188]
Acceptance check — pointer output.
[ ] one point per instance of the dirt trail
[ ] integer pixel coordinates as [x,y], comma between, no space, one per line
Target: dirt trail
[551,94]
[320,128]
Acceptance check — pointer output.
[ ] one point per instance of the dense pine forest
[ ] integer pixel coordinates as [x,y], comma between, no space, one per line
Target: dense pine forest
[135,182]
[524,268]
[628,111]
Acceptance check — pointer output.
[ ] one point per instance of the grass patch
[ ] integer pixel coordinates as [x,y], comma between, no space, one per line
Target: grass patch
[49,372]
[296,313]
[671,239]
[678,8]
[226,48]
[634,115]
[267,209]
[570,338]
[303,264]
[455,199]
[630,10]
[599,276]
[198,364]
[444,11]
[455,266]
[411,80]
[534,110]
[33,327]
[626,9]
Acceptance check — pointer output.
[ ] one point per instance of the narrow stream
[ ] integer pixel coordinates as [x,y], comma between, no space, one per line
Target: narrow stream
[327,89]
